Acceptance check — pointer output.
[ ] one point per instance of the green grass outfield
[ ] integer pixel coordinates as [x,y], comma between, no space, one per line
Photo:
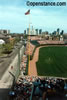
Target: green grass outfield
[52,61]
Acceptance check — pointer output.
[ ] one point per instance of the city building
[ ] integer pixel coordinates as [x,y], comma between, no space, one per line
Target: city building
[50,38]
[40,31]
[3,37]
[36,31]
[56,38]
[62,32]
[2,41]
[57,32]
[24,31]
[54,33]
[27,31]
[33,31]
[4,31]
[61,38]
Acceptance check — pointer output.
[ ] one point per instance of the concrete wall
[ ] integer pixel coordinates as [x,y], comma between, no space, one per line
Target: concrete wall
[14,67]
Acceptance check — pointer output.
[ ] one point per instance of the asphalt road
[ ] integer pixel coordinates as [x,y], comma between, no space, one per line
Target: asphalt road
[4,65]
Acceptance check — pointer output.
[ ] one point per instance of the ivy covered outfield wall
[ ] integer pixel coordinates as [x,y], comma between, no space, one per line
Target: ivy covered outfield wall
[26,73]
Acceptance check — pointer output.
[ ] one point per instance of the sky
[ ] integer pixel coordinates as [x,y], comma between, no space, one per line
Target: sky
[47,18]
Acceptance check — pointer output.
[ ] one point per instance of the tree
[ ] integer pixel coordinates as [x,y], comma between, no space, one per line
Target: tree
[7,48]
[17,39]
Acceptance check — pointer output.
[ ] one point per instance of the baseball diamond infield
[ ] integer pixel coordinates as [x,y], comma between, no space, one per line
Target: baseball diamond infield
[49,61]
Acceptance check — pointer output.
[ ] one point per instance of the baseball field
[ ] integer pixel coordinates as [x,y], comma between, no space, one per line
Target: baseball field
[52,61]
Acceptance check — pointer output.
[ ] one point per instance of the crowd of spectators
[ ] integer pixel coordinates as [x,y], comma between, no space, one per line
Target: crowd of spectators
[49,87]
[42,41]
[23,64]
[29,48]
[39,88]
[35,38]
[22,90]
[50,42]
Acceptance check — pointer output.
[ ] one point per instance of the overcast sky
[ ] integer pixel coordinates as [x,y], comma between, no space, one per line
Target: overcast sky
[47,18]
